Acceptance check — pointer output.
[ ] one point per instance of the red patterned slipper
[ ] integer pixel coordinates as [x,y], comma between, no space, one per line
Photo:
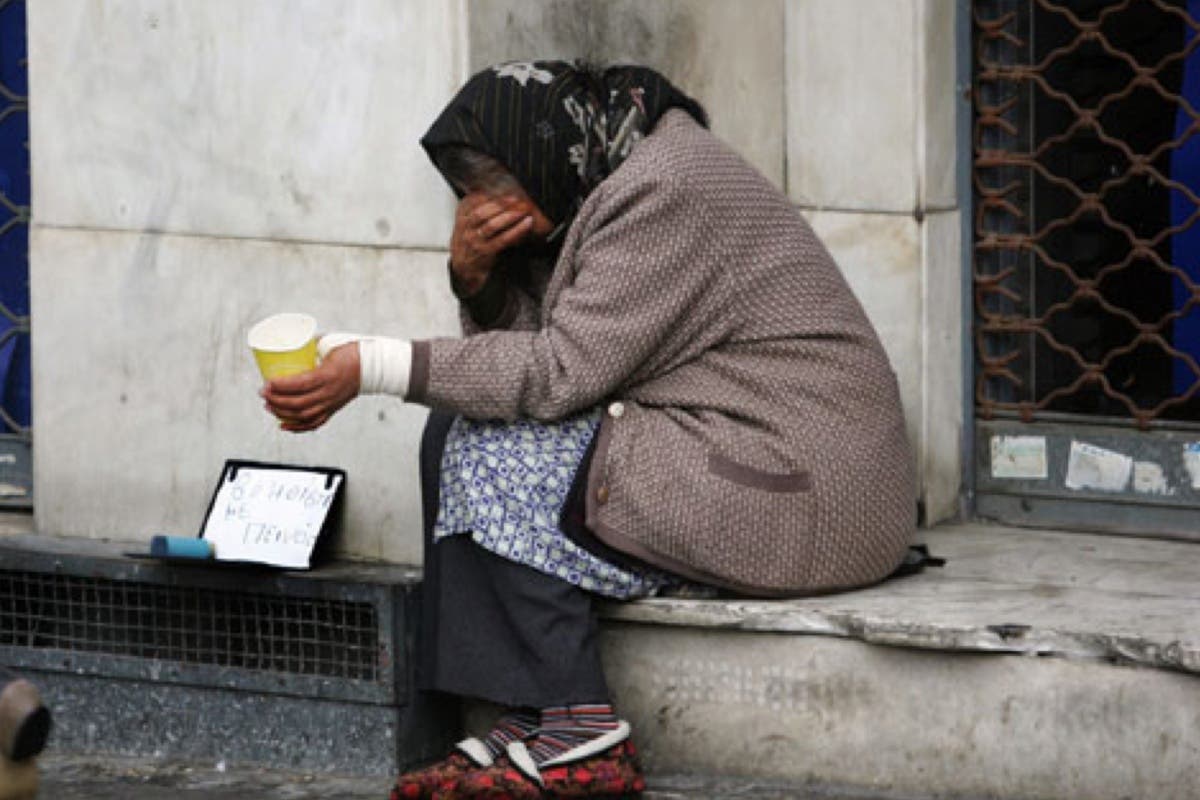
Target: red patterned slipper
[615,774]
[498,782]
[604,769]
[596,779]
[444,776]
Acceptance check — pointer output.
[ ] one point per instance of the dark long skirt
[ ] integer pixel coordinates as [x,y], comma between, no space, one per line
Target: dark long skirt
[495,629]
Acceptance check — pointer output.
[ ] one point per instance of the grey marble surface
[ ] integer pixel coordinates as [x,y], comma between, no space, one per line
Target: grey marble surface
[243,119]
[1075,595]
[139,407]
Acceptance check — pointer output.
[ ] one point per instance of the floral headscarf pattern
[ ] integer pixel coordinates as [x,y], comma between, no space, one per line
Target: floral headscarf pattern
[559,128]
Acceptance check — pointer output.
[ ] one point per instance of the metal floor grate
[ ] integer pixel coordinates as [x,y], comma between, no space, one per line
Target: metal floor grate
[190,625]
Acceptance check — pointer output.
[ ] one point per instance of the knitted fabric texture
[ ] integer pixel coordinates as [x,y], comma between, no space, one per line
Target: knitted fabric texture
[758,440]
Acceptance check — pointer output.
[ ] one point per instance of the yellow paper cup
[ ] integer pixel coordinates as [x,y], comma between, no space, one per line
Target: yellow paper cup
[284,344]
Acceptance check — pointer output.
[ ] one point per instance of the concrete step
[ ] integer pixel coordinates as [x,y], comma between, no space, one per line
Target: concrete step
[1035,664]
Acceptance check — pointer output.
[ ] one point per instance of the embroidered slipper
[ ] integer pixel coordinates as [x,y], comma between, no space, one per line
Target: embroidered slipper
[614,774]
[605,768]
[498,782]
[437,779]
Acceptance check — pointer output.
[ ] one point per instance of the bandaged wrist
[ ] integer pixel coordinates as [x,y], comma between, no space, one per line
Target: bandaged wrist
[384,363]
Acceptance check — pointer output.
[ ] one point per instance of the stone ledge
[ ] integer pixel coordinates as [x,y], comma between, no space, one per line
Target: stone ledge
[1003,590]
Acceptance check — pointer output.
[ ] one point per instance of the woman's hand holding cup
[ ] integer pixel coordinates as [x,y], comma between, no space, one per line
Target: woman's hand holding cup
[300,391]
[306,401]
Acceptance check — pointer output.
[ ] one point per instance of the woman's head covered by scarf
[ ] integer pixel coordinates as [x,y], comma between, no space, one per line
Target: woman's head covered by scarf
[558,128]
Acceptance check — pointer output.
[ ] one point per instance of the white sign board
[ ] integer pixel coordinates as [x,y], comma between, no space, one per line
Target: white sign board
[269,514]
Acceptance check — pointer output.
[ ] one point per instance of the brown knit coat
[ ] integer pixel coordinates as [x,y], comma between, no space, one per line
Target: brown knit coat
[754,436]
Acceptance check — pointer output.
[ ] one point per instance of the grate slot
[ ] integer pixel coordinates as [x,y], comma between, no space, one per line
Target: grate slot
[190,625]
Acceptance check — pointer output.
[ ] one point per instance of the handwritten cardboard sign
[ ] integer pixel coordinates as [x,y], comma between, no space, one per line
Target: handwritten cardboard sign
[271,513]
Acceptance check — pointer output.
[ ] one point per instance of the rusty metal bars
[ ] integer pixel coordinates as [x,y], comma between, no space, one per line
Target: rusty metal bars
[1057,328]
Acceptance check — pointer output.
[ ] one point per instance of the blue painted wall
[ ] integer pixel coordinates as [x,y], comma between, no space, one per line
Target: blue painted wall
[14,227]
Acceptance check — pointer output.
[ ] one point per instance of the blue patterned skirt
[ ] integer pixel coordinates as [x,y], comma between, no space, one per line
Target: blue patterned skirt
[505,484]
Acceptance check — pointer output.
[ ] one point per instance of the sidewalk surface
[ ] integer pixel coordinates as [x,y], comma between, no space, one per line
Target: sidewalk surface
[66,778]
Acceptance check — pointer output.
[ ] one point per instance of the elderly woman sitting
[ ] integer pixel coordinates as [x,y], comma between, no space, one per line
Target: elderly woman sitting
[664,379]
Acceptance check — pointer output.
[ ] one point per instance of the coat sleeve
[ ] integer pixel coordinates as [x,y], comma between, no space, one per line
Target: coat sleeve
[499,305]
[644,295]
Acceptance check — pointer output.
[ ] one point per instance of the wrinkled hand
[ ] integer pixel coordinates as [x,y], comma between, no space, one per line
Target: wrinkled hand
[305,402]
[483,227]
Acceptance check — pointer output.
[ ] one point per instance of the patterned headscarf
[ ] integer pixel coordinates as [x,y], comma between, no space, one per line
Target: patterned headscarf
[559,128]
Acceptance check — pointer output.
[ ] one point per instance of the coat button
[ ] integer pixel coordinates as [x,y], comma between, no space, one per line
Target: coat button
[616,410]
[602,494]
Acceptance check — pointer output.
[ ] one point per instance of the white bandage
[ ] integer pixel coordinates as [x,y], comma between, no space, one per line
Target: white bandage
[384,363]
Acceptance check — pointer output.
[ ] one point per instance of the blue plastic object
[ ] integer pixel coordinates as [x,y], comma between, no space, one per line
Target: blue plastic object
[180,547]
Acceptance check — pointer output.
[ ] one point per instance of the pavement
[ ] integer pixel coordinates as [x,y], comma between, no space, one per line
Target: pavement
[74,778]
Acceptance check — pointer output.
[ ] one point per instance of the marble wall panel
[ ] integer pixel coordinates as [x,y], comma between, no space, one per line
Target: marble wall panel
[727,55]
[278,119]
[942,345]
[144,384]
[852,104]
[937,71]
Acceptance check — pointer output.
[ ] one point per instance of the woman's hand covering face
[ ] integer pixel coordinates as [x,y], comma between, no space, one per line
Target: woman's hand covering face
[484,226]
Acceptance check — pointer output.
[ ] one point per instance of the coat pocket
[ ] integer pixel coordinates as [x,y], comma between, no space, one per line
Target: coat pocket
[746,526]
[751,478]
[756,524]
[702,513]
